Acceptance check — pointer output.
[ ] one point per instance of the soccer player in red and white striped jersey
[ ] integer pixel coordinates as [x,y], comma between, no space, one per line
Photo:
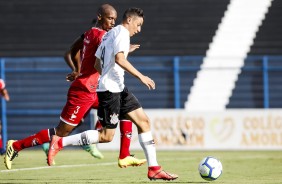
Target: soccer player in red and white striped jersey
[4,91]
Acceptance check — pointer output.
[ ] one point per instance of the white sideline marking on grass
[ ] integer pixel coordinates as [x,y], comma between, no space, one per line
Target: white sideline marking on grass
[61,166]
[79,165]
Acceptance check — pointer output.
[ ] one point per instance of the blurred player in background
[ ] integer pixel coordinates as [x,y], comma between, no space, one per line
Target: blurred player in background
[5,94]
[115,100]
[81,95]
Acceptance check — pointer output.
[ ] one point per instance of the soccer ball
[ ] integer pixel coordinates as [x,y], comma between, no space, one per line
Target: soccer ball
[210,168]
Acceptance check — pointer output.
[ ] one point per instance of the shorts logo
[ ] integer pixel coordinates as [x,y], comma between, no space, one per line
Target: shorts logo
[114,119]
[73,116]
[34,142]
[128,135]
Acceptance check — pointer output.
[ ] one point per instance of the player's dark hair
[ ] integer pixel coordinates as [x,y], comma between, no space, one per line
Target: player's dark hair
[102,9]
[133,12]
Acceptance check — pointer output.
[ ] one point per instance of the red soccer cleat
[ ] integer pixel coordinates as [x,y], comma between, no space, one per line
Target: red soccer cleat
[160,174]
[54,148]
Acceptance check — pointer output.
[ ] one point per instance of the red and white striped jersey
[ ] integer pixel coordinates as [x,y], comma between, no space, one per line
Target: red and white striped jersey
[88,78]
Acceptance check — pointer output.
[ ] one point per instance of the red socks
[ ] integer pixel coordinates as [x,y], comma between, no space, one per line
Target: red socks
[1,144]
[34,140]
[125,138]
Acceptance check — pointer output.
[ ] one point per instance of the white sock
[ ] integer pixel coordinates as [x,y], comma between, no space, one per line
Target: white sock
[147,143]
[84,138]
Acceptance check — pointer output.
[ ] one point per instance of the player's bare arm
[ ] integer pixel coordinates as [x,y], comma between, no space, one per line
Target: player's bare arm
[5,94]
[127,66]
[97,66]
[72,58]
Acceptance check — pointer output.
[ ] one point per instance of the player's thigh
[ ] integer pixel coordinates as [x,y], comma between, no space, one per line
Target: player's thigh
[109,109]
[131,109]
[78,104]
[95,100]
[140,119]
[129,103]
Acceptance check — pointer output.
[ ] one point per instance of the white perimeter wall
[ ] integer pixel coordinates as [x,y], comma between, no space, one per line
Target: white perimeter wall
[226,130]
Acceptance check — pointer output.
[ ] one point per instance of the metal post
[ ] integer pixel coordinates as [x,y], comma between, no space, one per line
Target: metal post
[3,107]
[176,82]
[265,83]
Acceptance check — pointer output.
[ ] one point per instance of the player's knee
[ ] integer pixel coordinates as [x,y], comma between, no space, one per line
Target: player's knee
[63,129]
[106,137]
[62,133]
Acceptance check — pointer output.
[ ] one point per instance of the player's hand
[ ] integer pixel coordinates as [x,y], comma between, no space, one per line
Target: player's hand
[148,82]
[133,47]
[72,76]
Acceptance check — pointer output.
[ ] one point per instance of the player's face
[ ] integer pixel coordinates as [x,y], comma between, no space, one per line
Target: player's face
[135,25]
[108,20]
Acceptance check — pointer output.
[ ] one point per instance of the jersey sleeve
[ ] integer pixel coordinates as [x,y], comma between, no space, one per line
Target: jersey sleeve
[121,43]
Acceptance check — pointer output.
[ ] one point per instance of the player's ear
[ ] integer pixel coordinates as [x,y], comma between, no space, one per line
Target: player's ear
[129,19]
[99,17]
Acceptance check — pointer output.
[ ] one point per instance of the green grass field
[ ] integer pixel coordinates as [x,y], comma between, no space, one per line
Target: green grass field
[77,166]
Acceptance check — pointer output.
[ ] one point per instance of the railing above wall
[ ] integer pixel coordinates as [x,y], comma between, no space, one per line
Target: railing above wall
[176,66]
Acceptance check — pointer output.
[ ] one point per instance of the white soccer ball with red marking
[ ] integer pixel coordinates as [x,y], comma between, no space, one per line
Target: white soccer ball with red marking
[210,168]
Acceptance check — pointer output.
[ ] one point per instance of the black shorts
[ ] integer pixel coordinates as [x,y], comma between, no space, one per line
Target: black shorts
[114,106]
